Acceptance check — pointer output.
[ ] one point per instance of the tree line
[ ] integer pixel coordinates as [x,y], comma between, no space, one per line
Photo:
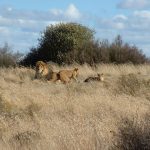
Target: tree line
[66,43]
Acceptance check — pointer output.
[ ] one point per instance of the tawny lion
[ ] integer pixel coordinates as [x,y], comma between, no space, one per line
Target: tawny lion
[99,77]
[46,72]
[66,75]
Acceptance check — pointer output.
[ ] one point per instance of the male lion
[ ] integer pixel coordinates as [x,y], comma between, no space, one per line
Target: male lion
[99,77]
[46,72]
[66,75]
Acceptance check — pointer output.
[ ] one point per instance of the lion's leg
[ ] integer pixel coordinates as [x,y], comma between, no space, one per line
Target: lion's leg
[65,79]
[53,80]
[37,76]
[75,79]
[66,82]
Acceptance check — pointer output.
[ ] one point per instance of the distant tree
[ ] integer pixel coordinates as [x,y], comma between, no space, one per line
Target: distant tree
[8,57]
[120,52]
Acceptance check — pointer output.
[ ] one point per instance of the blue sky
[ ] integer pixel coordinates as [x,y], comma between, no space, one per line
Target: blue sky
[22,21]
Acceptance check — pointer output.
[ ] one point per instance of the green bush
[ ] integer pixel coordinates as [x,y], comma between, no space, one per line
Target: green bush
[57,41]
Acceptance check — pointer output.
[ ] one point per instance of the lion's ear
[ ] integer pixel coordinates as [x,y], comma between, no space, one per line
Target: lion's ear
[76,69]
[40,63]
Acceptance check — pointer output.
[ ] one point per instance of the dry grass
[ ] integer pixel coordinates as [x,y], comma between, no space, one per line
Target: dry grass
[106,115]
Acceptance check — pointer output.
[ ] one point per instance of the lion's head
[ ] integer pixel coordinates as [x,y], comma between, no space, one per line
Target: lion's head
[100,76]
[75,72]
[40,66]
[42,69]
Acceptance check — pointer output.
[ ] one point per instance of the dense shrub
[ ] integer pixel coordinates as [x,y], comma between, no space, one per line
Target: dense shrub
[57,41]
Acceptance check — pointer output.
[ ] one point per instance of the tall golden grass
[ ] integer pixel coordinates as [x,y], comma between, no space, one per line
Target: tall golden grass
[109,115]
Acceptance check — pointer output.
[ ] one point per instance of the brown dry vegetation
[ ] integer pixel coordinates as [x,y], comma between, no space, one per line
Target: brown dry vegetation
[109,115]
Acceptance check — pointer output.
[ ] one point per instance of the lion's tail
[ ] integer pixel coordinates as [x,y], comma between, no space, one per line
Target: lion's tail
[86,80]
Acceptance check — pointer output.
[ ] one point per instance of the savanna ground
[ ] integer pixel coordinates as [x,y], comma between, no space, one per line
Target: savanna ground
[109,115]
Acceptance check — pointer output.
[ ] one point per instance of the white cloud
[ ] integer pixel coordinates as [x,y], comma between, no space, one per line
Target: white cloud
[134,28]
[4,32]
[9,9]
[72,12]
[134,4]
[21,28]
[18,39]
[14,17]
[137,20]
[120,17]
[119,25]
[140,21]
[142,14]
[118,22]
[56,12]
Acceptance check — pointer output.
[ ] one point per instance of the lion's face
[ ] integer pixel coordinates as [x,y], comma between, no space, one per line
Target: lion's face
[75,72]
[43,71]
[39,68]
[101,76]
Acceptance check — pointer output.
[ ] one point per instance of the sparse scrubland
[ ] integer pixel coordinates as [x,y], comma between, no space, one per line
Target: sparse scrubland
[109,115]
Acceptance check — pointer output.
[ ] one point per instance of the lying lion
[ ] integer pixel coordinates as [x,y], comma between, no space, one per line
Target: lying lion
[99,77]
[44,71]
[66,75]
